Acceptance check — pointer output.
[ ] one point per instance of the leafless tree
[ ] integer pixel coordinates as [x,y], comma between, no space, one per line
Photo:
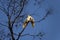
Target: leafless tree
[13,10]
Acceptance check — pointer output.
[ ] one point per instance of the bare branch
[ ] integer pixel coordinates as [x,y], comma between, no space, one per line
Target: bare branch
[10,28]
[46,15]
[13,8]
[3,25]
[4,10]
[9,5]
[39,35]
[19,35]
[23,1]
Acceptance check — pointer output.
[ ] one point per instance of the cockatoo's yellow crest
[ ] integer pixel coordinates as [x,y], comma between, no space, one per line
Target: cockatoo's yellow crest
[28,19]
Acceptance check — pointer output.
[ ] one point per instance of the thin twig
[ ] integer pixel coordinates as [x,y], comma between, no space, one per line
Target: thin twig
[18,14]
[3,25]
[46,15]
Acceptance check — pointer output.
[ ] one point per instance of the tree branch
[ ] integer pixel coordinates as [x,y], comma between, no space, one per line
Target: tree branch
[13,8]
[20,33]
[23,1]
[10,28]
[4,10]
[46,15]
[3,24]
[39,35]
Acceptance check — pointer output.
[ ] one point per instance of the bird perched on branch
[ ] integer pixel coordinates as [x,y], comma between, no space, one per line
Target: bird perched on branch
[28,19]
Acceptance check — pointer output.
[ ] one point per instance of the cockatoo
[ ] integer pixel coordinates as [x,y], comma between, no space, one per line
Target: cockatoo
[28,19]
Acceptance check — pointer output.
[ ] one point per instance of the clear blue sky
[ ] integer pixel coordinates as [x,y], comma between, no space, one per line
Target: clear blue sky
[51,25]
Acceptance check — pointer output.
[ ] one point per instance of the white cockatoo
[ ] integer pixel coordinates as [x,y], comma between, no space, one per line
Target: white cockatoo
[28,19]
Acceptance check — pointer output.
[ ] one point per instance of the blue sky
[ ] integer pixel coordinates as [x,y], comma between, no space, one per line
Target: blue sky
[51,25]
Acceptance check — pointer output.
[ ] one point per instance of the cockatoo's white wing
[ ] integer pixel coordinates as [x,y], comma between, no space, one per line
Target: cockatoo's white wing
[31,19]
[28,19]
[32,22]
[25,23]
